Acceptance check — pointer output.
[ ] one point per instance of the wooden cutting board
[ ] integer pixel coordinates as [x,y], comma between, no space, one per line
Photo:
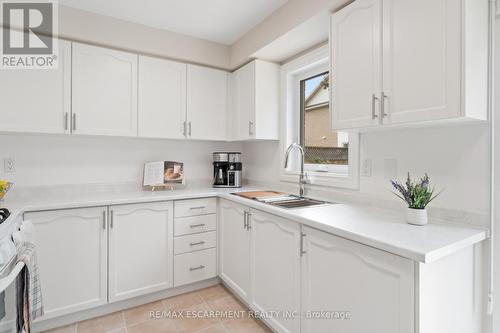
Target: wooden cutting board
[259,194]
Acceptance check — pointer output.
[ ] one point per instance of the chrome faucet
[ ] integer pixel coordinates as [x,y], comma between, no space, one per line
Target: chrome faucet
[303,176]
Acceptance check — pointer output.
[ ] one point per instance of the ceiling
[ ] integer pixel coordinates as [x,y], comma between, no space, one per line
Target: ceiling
[221,21]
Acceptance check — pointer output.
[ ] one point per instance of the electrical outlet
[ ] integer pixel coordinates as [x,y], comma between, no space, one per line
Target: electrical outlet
[390,168]
[9,165]
[366,169]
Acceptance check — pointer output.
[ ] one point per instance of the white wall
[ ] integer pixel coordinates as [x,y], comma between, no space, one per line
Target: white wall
[57,160]
[455,157]
[93,28]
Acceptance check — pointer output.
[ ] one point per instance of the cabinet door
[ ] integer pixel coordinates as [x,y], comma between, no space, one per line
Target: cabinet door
[275,269]
[162,98]
[375,288]
[104,91]
[422,60]
[206,103]
[243,108]
[37,100]
[234,247]
[140,249]
[72,257]
[356,62]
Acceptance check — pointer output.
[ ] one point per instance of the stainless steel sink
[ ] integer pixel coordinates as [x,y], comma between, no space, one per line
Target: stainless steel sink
[298,203]
[290,201]
[282,200]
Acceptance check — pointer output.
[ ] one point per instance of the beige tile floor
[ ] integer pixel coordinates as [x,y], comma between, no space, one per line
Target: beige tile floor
[137,320]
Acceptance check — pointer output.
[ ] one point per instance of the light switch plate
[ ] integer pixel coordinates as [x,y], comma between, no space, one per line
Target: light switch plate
[390,168]
[9,165]
[366,168]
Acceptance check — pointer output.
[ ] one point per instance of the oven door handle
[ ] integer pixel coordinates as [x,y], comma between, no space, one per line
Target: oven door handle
[6,281]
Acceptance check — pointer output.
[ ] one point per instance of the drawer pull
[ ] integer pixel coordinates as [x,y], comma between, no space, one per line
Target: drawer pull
[198,207]
[196,268]
[197,225]
[197,243]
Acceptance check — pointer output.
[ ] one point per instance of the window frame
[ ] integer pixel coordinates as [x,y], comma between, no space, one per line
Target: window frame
[292,73]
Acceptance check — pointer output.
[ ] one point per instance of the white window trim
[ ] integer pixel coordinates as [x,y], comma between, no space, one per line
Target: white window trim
[291,73]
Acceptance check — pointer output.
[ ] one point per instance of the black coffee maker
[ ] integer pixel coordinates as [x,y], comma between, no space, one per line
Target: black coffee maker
[227,169]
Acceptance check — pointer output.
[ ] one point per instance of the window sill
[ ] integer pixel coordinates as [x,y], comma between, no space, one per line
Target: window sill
[324,179]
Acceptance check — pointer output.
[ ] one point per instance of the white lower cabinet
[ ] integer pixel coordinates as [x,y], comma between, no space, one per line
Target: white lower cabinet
[140,249]
[234,248]
[309,281]
[374,288]
[275,269]
[72,258]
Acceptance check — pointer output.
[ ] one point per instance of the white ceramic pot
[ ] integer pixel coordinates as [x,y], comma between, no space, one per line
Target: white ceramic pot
[416,216]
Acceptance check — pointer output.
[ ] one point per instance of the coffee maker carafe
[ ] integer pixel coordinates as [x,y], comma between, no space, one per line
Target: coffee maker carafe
[227,169]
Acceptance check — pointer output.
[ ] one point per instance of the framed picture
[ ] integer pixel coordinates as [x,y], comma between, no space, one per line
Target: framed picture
[163,173]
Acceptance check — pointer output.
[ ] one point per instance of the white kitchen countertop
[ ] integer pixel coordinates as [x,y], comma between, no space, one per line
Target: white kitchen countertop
[379,228]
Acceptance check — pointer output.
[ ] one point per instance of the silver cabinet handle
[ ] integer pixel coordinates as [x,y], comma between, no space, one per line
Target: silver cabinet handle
[73,122]
[198,207]
[184,128]
[66,121]
[302,236]
[245,219]
[382,105]
[250,128]
[374,100]
[197,243]
[104,220]
[111,220]
[196,268]
[248,221]
[197,225]
[189,128]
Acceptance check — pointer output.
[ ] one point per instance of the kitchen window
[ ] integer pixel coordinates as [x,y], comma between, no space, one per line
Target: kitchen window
[325,151]
[331,158]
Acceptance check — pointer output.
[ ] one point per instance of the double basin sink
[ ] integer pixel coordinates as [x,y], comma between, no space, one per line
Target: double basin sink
[282,200]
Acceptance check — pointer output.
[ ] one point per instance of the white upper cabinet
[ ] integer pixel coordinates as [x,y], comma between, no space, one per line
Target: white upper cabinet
[408,62]
[162,98]
[104,91]
[140,249]
[421,60]
[207,100]
[375,287]
[37,100]
[356,64]
[254,108]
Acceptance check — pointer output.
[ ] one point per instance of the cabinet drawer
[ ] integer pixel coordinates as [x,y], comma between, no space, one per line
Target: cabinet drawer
[195,207]
[195,224]
[195,266]
[189,243]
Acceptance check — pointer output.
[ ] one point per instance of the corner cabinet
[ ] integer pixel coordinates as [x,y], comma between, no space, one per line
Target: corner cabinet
[275,269]
[104,91]
[207,98]
[162,98]
[390,66]
[373,289]
[254,105]
[140,249]
[72,258]
[37,100]
[234,247]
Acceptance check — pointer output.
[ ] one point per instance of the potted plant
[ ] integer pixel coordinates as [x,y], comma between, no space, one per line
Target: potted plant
[417,194]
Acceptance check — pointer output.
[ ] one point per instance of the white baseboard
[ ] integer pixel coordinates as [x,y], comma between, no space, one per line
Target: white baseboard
[43,325]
